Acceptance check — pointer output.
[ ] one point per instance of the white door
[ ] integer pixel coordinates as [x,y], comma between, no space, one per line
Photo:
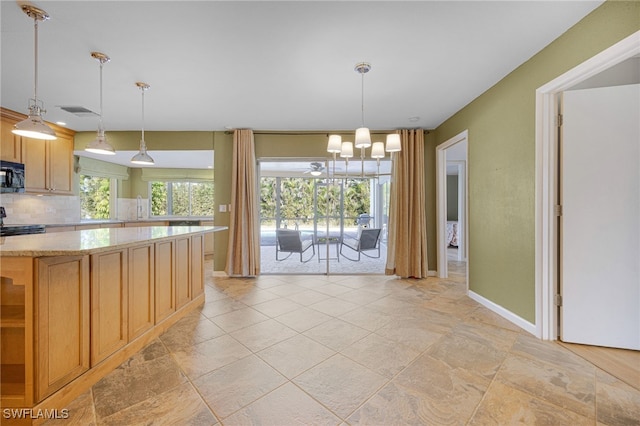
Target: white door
[600,253]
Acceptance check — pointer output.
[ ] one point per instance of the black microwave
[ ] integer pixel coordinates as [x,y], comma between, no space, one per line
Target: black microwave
[11,177]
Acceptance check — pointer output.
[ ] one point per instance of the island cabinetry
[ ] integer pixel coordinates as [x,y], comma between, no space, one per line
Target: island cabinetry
[109,303]
[16,337]
[197,264]
[62,321]
[183,268]
[141,289]
[165,295]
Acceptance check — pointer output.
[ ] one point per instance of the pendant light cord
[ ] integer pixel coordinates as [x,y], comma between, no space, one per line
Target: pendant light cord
[35,74]
[362,96]
[142,142]
[101,128]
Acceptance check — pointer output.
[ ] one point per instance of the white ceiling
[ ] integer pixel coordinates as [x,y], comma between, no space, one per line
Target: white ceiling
[269,65]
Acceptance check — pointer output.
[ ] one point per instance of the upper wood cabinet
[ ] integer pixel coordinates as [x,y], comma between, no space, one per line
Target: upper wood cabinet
[10,144]
[48,164]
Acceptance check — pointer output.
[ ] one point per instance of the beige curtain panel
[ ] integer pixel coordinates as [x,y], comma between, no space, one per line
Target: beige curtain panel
[407,241]
[243,251]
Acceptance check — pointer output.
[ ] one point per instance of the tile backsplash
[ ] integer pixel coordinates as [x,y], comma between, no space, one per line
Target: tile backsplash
[25,209]
[133,208]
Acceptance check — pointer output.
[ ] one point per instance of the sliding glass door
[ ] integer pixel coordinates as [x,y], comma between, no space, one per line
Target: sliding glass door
[313,223]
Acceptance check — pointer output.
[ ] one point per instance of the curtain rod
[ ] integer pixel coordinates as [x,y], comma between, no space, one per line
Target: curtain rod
[312,132]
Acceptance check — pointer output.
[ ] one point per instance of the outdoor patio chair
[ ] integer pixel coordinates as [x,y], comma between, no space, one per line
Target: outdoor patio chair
[291,241]
[368,239]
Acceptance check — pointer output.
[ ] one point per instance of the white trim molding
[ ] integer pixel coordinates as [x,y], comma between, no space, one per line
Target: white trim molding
[504,313]
[546,251]
[441,203]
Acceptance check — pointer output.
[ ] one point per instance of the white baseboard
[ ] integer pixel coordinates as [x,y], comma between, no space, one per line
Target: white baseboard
[432,273]
[504,313]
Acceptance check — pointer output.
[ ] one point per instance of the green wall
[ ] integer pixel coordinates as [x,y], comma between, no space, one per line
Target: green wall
[501,153]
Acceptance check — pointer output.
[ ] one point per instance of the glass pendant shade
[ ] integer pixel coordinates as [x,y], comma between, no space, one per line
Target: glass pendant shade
[347,150]
[363,138]
[377,150]
[393,143]
[335,144]
[33,126]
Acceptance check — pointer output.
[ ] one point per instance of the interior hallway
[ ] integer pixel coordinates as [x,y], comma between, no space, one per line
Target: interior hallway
[282,350]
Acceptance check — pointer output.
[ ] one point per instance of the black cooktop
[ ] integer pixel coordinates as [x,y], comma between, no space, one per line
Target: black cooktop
[9,230]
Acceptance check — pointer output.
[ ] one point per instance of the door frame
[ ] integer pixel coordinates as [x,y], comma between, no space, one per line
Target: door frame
[546,194]
[441,203]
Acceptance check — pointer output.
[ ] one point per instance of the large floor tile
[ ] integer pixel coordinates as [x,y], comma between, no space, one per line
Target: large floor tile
[210,355]
[238,319]
[295,355]
[381,355]
[450,394]
[189,331]
[238,384]
[565,387]
[146,374]
[162,409]
[340,384]
[303,319]
[277,307]
[504,405]
[287,405]
[336,334]
[618,403]
[264,334]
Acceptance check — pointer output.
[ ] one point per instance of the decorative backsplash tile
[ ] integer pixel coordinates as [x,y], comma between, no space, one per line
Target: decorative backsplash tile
[23,209]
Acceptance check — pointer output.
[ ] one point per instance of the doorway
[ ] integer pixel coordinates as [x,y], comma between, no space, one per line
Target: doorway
[335,214]
[451,188]
[547,178]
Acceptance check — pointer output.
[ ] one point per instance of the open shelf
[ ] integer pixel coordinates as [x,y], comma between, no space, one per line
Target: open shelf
[11,316]
[12,379]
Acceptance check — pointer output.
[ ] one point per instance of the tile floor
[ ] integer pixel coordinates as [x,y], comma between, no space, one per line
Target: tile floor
[374,350]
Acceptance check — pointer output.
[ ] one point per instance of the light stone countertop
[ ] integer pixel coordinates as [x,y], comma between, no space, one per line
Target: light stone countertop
[93,240]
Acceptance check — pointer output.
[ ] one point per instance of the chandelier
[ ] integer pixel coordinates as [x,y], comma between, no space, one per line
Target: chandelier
[362,139]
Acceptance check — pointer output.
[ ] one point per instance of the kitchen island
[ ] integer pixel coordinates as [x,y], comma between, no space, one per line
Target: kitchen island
[75,305]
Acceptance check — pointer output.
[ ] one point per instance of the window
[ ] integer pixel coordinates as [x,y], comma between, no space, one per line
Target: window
[96,197]
[181,198]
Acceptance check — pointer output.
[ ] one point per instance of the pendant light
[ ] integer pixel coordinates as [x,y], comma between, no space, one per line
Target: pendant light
[100,145]
[142,157]
[33,126]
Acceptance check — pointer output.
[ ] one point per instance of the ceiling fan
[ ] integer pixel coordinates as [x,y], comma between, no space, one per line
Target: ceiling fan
[315,169]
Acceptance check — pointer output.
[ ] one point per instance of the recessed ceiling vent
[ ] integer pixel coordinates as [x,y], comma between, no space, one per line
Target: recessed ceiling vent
[79,111]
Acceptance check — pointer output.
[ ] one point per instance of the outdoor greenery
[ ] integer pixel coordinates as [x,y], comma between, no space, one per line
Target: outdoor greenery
[182,199]
[296,199]
[94,197]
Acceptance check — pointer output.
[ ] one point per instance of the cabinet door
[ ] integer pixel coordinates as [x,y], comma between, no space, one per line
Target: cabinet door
[60,163]
[34,156]
[10,144]
[109,295]
[183,278]
[62,321]
[141,290]
[197,265]
[165,280]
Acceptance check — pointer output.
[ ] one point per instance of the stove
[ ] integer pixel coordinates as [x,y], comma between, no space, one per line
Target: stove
[10,230]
